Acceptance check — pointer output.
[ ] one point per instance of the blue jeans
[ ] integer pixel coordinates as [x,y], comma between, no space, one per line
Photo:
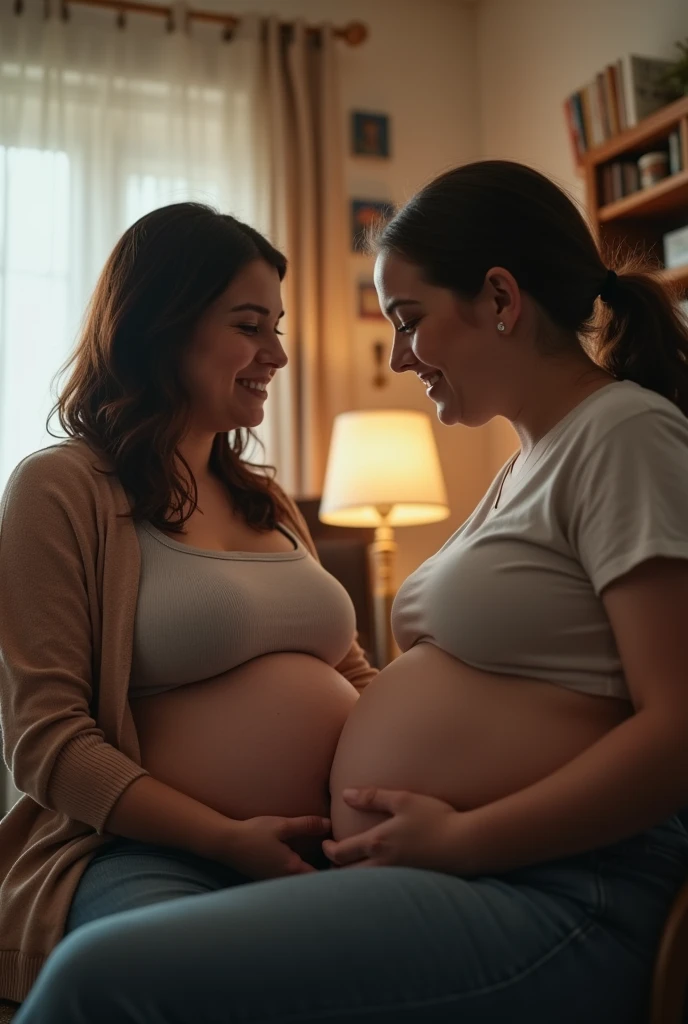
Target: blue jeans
[158,936]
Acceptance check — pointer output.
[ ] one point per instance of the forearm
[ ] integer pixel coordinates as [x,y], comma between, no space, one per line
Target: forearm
[629,780]
[153,812]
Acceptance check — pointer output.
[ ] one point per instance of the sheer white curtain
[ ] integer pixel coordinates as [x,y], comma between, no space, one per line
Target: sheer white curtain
[98,126]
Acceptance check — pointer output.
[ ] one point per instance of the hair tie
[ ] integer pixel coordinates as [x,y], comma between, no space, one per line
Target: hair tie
[608,286]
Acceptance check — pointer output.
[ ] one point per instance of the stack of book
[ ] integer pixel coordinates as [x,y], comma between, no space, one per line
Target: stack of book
[619,178]
[616,99]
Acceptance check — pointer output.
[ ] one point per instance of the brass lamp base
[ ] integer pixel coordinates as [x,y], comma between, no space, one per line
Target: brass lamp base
[382,556]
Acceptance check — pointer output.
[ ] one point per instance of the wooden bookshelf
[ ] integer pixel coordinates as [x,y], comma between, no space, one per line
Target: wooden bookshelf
[642,218]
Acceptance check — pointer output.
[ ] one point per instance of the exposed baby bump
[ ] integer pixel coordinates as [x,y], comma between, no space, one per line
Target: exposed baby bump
[257,740]
[431,724]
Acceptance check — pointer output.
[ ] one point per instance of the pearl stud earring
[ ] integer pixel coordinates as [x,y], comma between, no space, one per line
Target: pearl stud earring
[501,326]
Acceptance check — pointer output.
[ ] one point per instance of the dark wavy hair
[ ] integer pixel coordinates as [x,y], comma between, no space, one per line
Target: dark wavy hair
[499,213]
[124,394]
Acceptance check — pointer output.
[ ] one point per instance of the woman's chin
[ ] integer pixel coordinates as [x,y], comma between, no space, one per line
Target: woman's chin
[255,421]
[245,421]
[447,415]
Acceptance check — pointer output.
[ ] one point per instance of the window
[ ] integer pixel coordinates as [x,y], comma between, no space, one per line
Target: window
[36,321]
[95,131]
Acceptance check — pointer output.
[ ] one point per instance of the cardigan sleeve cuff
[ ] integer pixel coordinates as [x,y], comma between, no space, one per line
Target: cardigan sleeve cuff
[88,779]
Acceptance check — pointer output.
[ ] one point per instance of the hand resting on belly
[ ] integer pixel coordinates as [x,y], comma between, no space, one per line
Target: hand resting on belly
[433,725]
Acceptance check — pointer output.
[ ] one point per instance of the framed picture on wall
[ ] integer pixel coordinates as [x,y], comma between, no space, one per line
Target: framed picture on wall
[369,134]
[367,214]
[368,302]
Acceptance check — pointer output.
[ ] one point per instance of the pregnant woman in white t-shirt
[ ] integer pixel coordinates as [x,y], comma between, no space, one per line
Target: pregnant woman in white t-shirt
[503,794]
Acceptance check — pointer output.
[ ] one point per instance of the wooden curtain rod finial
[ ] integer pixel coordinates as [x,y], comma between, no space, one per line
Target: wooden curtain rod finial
[354,33]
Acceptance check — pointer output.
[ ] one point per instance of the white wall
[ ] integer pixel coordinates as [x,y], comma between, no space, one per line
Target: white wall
[531,55]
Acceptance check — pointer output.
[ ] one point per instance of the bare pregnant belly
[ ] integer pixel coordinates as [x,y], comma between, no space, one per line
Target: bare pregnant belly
[257,740]
[431,724]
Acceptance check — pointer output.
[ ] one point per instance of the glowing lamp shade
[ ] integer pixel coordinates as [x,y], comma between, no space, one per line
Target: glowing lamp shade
[383,467]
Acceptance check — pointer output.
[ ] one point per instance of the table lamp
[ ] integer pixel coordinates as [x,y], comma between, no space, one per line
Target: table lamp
[383,470]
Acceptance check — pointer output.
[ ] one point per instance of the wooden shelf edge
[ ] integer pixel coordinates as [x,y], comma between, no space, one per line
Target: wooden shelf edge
[633,138]
[633,204]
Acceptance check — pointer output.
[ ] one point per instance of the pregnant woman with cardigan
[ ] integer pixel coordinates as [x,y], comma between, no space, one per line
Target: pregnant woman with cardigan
[179,675]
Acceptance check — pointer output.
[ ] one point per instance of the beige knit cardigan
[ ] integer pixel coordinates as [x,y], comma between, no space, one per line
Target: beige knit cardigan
[69,574]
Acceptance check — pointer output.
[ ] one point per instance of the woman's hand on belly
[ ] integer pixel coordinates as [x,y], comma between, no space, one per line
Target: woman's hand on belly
[431,724]
[417,832]
[260,847]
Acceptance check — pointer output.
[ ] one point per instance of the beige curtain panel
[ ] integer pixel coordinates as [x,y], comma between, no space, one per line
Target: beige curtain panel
[305,165]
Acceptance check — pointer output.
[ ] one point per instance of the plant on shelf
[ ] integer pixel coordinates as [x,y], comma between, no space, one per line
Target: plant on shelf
[676,76]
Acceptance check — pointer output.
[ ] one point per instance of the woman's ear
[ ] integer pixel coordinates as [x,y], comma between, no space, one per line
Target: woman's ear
[504,296]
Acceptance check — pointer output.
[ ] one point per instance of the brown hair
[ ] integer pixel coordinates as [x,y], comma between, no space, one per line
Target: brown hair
[498,213]
[124,394]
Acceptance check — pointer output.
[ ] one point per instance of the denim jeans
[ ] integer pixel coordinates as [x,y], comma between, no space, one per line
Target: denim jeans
[157,936]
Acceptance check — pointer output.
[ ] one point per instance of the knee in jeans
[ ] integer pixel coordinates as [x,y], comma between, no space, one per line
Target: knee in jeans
[81,964]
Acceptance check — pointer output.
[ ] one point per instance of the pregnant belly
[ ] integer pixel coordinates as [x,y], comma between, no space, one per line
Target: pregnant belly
[257,740]
[431,724]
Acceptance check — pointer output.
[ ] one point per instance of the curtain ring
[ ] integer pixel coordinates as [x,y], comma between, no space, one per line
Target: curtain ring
[46,9]
[170,26]
[228,31]
[64,10]
[121,19]
[18,6]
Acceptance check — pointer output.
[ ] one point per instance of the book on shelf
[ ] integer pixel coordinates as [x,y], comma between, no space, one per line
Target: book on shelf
[612,99]
[618,178]
[617,98]
[675,163]
[645,89]
[621,177]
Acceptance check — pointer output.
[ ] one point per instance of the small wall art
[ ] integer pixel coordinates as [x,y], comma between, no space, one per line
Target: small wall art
[368,302]
[365,214]
[369,134]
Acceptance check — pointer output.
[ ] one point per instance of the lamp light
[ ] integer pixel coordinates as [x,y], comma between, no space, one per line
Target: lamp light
[383,470]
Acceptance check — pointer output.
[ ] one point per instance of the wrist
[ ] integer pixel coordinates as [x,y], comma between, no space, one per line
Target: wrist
[461,855]
[215,837]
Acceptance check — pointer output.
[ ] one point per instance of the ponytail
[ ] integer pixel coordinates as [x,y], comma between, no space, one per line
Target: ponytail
[641,335]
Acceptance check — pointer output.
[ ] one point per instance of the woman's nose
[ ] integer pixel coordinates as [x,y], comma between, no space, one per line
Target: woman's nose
[275,355]
[402,357]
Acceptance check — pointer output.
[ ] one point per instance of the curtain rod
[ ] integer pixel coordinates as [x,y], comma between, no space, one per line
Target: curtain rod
[354,33]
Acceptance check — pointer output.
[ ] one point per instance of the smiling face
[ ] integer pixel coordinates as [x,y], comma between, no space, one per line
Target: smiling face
[235,352]
[451,343]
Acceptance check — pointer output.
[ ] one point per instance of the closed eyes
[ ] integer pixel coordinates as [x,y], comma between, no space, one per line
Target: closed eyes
[407,327]
[252,329]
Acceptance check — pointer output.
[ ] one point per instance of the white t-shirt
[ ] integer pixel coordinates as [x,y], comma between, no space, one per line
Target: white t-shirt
[516,589]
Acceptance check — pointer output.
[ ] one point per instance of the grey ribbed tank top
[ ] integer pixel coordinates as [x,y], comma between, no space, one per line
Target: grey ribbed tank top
[200,613]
